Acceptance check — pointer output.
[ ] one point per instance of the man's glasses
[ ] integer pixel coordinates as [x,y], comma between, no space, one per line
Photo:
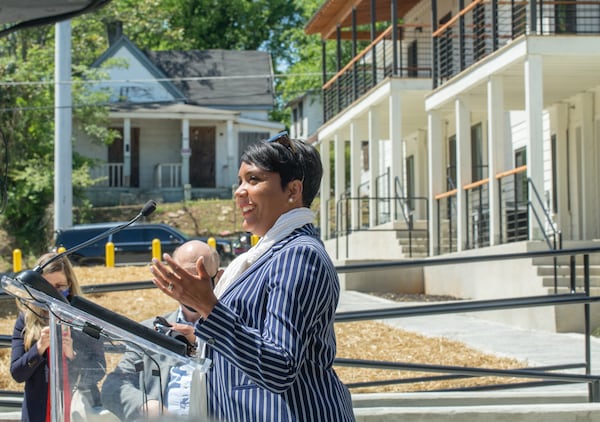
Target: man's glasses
[282,138]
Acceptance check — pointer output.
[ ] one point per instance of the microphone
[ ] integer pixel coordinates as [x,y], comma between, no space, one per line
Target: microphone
[34,279]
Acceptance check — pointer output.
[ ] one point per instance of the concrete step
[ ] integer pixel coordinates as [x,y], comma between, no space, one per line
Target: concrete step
[565,260]
[522,406]
[566,270]
[566,282]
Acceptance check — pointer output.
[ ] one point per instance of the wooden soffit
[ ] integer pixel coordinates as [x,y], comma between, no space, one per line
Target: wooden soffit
[334,12]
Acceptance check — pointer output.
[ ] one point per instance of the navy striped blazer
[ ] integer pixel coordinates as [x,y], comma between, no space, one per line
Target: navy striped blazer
[272,342]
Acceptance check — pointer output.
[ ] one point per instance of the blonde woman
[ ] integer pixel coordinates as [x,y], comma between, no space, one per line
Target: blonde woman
[30,361]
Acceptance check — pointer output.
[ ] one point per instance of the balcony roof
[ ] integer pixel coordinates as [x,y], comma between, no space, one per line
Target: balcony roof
[334,12]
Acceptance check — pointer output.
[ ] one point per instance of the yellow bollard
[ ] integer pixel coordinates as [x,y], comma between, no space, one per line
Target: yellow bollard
[110,254]
[253,239]
[61,249]
[156,249]
[212,242]
[17,260]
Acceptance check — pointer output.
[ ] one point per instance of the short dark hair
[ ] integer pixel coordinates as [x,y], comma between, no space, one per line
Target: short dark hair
[299,162]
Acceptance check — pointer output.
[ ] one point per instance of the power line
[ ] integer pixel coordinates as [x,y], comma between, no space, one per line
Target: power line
[158,80]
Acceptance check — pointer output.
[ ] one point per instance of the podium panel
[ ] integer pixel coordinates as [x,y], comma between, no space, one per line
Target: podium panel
[106,367]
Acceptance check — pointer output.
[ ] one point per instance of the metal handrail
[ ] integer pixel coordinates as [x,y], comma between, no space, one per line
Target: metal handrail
[484,305]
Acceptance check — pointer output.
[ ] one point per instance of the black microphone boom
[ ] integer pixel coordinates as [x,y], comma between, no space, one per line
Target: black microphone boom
[34,279]
[147,209]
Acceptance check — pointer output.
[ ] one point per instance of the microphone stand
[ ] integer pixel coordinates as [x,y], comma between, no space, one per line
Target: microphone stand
[34,279]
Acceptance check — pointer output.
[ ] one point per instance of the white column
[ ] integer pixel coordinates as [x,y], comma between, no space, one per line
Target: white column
[355,172]
[463,168]
[186,152]
[588,168]
[63,151]
[562,168]
[127,152]
[496,151]
[397,162]
[534,96]
[232,154]
[339,178]
[435,177]
[373,165]
[422,174]
[325,189]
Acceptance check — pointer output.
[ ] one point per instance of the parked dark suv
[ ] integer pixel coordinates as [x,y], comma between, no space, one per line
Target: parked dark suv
[132,244]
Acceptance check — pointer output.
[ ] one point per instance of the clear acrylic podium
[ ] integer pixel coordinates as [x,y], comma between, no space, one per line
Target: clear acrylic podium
[89,325]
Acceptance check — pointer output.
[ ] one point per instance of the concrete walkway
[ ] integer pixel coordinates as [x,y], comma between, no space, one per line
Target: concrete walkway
[534,347]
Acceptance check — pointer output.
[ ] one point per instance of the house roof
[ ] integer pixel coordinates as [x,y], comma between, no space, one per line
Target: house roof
[227,79]
[152,111]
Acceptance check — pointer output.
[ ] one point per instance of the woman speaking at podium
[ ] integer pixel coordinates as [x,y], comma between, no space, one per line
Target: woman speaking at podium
[268,323]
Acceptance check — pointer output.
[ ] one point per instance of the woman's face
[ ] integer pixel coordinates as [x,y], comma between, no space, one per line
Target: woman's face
[58,279]
[260,198]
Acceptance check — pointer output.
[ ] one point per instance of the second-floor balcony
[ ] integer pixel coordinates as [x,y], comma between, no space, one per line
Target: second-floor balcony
[458,41]
[406,54]
[484,26]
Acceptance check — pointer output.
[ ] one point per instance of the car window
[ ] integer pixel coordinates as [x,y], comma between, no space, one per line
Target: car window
[129,235]
[160,234]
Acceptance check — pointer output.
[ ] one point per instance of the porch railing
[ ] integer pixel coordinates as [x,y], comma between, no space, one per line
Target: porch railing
[409,57]
[484,26]
[168,175]
[108,175]
[515,203]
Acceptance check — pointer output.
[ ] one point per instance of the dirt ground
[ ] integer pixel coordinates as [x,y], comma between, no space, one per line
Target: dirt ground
[357,340]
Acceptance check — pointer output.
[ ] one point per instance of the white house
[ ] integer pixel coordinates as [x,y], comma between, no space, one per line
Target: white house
[184,118]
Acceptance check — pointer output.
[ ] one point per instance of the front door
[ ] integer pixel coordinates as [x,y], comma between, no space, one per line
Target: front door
[202,160]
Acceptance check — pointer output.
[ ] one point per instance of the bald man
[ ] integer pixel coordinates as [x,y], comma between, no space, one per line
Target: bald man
[131,393]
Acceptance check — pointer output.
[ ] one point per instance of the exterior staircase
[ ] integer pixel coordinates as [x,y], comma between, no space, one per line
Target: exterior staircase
[561,282]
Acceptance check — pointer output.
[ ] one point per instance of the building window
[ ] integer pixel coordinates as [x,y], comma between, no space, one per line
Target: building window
[364,148]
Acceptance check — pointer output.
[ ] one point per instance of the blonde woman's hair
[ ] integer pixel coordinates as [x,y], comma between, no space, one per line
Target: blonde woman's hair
[36,318]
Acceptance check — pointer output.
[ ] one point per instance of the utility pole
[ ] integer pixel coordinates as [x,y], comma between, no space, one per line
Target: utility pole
[63,154]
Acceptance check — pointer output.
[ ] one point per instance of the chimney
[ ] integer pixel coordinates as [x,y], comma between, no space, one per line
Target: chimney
[114,30]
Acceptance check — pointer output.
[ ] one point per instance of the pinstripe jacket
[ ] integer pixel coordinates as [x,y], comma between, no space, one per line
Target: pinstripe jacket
[272,342]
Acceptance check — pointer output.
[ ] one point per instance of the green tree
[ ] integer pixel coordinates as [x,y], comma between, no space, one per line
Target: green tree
[27,122]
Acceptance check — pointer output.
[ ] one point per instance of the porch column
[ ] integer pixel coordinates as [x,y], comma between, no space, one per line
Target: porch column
[355,172]
[562,167]
[588,168]
[186,152]
[496,152]
[435,177]
[421,175]
[373,165]
[127,152]
[397,161]
[232,154]
[339,178]
[534,109]
[325,189]
[463,169]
